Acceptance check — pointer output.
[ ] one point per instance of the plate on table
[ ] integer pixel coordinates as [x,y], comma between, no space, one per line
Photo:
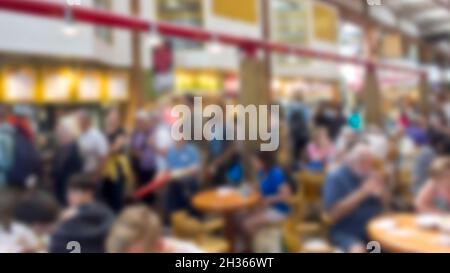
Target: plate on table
[429,221]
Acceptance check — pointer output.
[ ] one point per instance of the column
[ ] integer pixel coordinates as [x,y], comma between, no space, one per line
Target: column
[255,90]
[136,74]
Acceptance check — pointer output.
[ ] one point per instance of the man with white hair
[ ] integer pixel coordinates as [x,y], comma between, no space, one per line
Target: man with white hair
[353,195]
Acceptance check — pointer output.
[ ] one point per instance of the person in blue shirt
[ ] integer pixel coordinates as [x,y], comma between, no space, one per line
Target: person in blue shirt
[183,163]
[275,191]
[353,195]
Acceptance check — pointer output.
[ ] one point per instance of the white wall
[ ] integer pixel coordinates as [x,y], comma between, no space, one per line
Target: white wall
[27,34]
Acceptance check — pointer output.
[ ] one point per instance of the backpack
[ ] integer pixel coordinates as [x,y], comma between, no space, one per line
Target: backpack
[298,125]
[25,161]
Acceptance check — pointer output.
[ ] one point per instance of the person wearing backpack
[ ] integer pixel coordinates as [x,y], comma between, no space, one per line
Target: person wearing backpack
[6,145]
[297,118]
[25,164]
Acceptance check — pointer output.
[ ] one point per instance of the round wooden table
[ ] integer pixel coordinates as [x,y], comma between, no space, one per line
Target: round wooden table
[400,233]
[225,202]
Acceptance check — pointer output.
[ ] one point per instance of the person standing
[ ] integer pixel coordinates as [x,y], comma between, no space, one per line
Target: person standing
[297,119]
[118,177]
[67,161]
[26,161]
[143,152]
[93,145]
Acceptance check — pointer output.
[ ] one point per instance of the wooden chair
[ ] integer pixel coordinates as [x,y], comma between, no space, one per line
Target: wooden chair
[188,228]
[403,187]
[298,227]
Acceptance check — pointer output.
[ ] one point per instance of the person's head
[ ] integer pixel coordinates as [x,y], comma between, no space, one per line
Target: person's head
[84,120]
[64,134]
[81,190]
[189,100]
[320,136]
[113,118]
[137,230]
[298,96]
[440,170]
[361,160]
[7,203]
[263,160]
[37,210]
[180,143]
[141,120]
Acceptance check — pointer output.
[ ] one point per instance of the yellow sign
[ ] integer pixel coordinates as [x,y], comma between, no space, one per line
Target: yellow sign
[392,46]
[58,85]
[326,21]
[198,82]
[117,87]
[240,10]
[90,88]
[19,85]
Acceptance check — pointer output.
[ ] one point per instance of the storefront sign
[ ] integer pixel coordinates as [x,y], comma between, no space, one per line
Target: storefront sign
[117,87]
[246,11]
[57,85]
[90,87]
[326,22]
[19,85]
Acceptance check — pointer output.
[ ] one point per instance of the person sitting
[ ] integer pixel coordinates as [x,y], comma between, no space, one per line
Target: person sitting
[38,211]
[85,221]
[353,194]
[183,163]
[14,236]
[275,191]
[434,196]
[138,230]
[319,150]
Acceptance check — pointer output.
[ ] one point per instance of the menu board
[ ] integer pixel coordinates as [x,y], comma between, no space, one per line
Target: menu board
[90,87]
[57,85]
[19,85]
[198,82]
[117,86]
[326,22]
[247,10]
[290,25]
[392,45]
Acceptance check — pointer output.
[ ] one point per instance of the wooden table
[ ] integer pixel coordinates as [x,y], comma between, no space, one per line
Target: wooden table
[399,233]
[226,203]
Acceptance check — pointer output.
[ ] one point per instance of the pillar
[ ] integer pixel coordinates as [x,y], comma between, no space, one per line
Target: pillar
[424,94]
[372,98]
[255,90]
[136,96]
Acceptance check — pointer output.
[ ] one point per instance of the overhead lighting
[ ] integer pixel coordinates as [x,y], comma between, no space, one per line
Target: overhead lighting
[69,29]
[154,39]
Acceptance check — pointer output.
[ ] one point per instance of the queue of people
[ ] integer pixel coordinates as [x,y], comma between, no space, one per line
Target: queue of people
[96,169]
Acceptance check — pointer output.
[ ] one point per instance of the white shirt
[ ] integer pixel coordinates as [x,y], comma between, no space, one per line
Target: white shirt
[17,239]
[163,141]
[93,147]
[178,246]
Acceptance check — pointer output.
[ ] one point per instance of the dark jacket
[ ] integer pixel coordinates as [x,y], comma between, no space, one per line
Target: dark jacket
[88,228]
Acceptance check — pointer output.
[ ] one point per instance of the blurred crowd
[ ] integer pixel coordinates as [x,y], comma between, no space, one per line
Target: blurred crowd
[100,187]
